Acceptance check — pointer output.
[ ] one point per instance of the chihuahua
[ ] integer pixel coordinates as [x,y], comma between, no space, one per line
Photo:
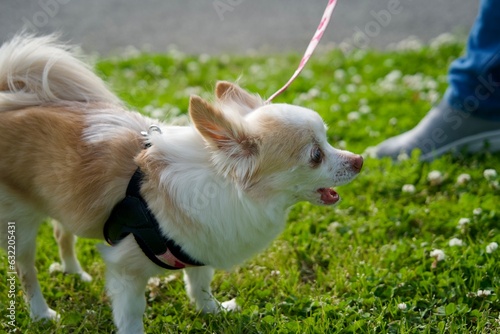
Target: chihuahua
[200,197]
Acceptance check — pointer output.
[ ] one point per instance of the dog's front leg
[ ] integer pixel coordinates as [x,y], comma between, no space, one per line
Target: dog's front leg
[197,280]
[127,299]
[127,273]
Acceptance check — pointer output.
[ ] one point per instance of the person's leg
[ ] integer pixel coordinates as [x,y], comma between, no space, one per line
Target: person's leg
[469,113]
[475,79]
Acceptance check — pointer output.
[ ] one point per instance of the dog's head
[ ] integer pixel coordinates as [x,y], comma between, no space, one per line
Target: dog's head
[272,151]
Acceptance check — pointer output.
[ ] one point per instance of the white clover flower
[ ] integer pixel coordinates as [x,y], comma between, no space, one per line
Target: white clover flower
[393,76]
[353,116]
[490,174]
[433,96]
[483,293]
[158,113]
[55,267]
[364,109]
[491,247]
[443,39]
[402,306]
[350,88]
[275,273]
[409,43]
[495,184]
[154,282]
[334,108]
[169,278]
[408,188]
[357,79]
[307,73]
[301,98]
[477,211]
[415,82]
[435,178]
[463,221]
[393,121]
[370,151]
[431,84]
[204,58]
[455,242]
[194,66]
[130,52]
[153,287]
[313,92]
[403,156]
[438,254]
[463,179]
[388,86]
[344,98]
[333,226]
[339,74]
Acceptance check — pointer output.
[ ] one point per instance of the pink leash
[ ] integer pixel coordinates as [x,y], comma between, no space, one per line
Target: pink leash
[311,47]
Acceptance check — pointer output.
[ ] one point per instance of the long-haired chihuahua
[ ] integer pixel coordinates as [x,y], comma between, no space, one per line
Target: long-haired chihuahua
[209,195]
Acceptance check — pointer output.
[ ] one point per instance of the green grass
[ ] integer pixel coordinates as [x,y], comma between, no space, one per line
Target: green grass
[334,270]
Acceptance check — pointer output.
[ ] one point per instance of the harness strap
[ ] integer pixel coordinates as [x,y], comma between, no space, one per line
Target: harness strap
[132,215]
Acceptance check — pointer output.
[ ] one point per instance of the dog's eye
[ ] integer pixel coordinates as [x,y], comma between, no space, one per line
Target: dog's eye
[316,156]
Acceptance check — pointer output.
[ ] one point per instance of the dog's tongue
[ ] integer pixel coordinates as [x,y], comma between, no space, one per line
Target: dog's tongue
[328,195]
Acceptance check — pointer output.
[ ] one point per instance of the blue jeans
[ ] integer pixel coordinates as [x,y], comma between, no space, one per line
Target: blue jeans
[474,80]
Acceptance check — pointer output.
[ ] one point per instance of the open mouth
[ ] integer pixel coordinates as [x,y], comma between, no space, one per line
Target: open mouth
[328,196]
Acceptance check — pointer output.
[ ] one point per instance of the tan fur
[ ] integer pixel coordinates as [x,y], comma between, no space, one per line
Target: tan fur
[274,158]
[45,160]
[227,92]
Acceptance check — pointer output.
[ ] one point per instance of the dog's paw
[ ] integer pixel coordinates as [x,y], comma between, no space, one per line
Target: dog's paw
[85,277]
[57,267]
[215,307]
[47,315]
[230,306]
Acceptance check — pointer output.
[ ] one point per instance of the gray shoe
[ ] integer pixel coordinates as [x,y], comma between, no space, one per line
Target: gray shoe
[442,130]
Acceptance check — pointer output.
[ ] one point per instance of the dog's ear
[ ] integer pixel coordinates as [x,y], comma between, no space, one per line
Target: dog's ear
[235,149]
[213,124]
[230,93]
[225,132]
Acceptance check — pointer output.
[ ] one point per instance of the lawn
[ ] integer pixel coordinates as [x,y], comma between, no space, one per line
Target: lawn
[368,265]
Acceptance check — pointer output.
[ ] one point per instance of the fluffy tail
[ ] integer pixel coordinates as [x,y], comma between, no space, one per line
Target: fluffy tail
[38,70]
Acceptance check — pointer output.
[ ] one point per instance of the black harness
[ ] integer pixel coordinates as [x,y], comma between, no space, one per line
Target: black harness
[132,215]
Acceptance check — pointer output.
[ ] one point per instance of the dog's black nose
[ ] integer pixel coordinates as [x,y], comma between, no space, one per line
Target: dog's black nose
[357,163]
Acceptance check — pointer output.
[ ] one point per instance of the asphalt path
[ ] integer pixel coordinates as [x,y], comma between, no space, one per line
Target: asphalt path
[234,26]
